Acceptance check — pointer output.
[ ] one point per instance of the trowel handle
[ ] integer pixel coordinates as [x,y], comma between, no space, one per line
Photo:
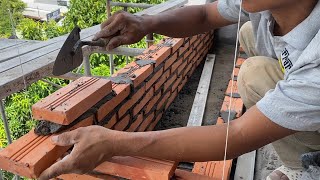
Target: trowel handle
[102,42]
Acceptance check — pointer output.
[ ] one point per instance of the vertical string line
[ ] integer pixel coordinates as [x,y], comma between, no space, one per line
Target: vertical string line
[231,95]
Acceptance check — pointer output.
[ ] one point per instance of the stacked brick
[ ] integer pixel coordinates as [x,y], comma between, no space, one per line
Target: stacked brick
[214,169]
[133,99]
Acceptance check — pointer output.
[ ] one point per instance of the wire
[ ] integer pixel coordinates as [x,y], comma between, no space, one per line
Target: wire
[232,84]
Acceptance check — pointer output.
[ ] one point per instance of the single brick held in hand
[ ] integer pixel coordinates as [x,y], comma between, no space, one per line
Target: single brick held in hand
[70,102]
[31,154]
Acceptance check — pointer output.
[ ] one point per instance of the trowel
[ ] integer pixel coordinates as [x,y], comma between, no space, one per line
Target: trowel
[70,55]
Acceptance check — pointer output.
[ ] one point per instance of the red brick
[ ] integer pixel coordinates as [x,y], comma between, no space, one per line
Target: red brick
[136,73]
[197,43]
[122,123]
[146,122]
[138,168]
[193,69]
[176,83]
[136,123]
[201,36]
[154,78]
[71,101]
[163,79]
[175,43]
[164,99]
[155,122]
[197,58]
[170,61]
[190,65]
[176,64]
[184,81]
[171,98]
[31,154]
[207,38]
[188,53]
[156,52]
[192,56]
[169,82]
[236,72]
[122,91]
[141,75]
[135,97]
[183,49]
[193,39]
[143,102]
[236,105]
[152,102]
[182,67]
[235,87]
[200,47]
[111,122]
[241,49]
[240,62]
[213,169]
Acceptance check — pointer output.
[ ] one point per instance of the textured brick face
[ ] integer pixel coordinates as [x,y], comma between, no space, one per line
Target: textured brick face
[133,100]
[67,104]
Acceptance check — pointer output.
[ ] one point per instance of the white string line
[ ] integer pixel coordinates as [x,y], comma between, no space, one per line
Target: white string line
[231,94]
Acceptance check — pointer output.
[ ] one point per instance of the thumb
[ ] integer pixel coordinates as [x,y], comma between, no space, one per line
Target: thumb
[65,139]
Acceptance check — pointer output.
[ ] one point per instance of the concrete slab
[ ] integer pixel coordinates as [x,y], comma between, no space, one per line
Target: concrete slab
[245,166]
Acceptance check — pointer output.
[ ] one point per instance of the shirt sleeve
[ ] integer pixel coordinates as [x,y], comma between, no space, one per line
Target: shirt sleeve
[295,102]
[229,9]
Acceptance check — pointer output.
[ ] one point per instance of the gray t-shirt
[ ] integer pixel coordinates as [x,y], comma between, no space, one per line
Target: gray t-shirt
[295,101]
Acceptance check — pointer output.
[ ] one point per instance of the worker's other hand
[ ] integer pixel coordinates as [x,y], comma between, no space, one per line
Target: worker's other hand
[122,28]
[92,146]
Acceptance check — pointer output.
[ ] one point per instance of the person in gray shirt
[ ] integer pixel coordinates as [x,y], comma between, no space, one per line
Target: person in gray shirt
[279,85]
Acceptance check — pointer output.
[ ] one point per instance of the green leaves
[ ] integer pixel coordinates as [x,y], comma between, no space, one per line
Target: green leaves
[16,7]
[35,30]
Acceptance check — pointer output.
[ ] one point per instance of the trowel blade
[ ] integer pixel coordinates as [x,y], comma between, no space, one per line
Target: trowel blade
[67,60]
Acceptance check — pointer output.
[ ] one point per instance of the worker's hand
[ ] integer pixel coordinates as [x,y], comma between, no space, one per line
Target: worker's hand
[122,28]
[92,146]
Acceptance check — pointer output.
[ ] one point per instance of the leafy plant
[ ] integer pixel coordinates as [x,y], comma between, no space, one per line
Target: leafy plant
[35,30]
[15,7]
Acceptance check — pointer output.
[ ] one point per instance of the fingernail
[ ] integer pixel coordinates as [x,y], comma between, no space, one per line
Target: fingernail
[54,139]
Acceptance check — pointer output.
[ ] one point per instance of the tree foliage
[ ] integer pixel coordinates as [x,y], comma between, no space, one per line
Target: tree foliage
[15,7]
[35,30]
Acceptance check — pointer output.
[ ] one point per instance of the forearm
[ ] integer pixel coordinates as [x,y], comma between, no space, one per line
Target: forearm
[252,131]
[186,21]
[181,144]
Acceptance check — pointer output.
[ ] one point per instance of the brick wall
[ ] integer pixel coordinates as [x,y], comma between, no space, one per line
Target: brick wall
[154,86]
[133,99]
